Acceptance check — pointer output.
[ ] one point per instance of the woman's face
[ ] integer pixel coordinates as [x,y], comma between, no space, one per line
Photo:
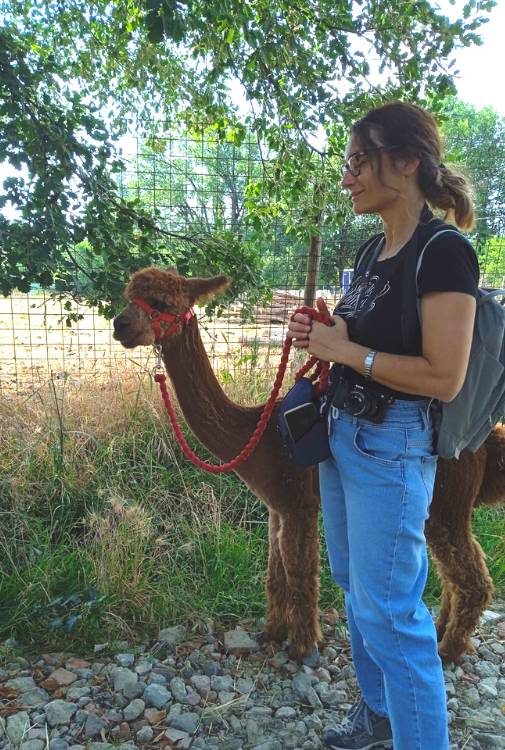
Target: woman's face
[369,192]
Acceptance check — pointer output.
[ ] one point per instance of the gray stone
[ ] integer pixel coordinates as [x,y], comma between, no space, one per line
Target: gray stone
[178,689]
[134,690]
[157,696]
[174,635]
[32,745]
[75,693]
[134,710]
[59,712]
[220,683]
[125,660]
[100,647]
[36,697]
[302,686]
[262,712]
[16,727]
[201,683]
[145,734]
[268,745]
[21,683]
[187,722]
[245,685]
[36,733]
[94,725]
[486,669]
[156,679]
[175,735]
[488,616]
[226,696]
[123,678]
[487,687]
[486,740]
[211,668]
[285,712]
[143,668]
[313,660]
[192,698]
[58,744]
[239,639]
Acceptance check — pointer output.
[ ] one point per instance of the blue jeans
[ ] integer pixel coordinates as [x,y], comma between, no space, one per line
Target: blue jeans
[376,489]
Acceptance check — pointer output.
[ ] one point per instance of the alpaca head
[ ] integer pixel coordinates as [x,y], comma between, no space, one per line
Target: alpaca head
[166,292]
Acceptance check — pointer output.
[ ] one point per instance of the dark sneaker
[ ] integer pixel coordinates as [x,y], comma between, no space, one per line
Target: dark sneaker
[361,730]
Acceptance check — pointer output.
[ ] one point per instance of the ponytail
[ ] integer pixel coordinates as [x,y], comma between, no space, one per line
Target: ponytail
[448,189]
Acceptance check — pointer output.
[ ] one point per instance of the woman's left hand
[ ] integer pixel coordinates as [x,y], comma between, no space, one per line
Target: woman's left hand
[328,343]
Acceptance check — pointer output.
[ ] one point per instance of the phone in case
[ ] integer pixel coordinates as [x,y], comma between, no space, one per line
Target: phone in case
[300,419]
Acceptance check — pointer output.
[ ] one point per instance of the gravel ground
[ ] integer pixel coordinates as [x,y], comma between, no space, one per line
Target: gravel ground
[209,690]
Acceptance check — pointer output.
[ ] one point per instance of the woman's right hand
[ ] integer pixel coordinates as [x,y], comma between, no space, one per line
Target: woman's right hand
[299,329]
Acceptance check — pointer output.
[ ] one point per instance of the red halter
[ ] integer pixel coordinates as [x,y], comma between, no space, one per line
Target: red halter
[156,317]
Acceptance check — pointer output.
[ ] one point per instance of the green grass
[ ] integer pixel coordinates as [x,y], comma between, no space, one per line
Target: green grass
[107,533]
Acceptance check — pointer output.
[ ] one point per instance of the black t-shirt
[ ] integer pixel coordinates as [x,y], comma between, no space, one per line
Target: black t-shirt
[372,308]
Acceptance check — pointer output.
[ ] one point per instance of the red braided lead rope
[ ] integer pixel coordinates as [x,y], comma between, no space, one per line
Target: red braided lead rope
[322,371]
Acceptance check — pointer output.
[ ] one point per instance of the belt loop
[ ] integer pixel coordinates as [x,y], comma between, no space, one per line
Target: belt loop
[425,413]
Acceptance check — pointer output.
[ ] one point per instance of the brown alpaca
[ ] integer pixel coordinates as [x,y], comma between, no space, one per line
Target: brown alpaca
[292,494]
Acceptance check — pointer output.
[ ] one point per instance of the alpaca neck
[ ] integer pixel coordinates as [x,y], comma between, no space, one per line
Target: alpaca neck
[213,418]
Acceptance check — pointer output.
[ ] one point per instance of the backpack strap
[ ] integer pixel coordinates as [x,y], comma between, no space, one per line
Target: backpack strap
[491,294]
[368,254]
[410,320]
[421,255]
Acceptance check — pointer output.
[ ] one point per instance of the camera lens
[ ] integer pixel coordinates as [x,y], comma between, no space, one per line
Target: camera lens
[356,403]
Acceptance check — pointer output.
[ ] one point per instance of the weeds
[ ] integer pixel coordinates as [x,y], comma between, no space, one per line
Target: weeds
[106,532]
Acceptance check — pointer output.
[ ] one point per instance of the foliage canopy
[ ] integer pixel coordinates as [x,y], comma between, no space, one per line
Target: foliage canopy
[75,74]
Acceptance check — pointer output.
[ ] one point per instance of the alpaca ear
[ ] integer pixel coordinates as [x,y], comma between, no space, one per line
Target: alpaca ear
[201,290]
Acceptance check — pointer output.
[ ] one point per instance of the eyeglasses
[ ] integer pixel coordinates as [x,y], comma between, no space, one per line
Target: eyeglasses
[355,160]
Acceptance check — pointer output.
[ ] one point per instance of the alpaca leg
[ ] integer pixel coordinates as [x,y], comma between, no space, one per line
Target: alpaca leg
[472,590]
[467,588]
[299,545]
[276,628]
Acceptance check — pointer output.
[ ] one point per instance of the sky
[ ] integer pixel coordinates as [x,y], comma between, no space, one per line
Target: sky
[480,68]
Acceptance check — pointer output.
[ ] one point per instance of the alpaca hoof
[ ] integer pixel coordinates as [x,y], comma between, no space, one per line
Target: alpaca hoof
[313,660]
[270,634]
[309,659]
[454,651]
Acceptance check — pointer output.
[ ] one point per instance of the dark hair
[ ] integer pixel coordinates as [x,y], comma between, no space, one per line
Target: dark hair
[414,134]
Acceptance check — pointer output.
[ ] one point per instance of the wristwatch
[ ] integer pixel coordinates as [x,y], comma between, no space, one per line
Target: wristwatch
[368,364]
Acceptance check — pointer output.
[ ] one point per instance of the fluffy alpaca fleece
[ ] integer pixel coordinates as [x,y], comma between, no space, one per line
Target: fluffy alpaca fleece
[292,493]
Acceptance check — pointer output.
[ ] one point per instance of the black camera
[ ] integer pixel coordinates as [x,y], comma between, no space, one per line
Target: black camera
[362,401]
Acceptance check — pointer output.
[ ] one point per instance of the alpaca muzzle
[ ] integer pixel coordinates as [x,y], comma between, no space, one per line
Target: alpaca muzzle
[177,320]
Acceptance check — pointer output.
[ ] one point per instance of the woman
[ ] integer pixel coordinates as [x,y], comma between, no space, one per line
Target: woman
[377,485]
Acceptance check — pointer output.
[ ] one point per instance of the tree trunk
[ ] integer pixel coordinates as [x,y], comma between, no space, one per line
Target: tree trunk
[316,241]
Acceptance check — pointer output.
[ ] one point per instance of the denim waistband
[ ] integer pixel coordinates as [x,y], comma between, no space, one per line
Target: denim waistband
[400,409]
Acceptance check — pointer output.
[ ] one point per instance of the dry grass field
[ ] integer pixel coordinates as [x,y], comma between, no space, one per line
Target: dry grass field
[36,345]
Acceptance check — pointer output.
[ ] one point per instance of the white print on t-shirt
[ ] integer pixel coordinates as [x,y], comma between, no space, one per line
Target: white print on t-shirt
[362,295]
